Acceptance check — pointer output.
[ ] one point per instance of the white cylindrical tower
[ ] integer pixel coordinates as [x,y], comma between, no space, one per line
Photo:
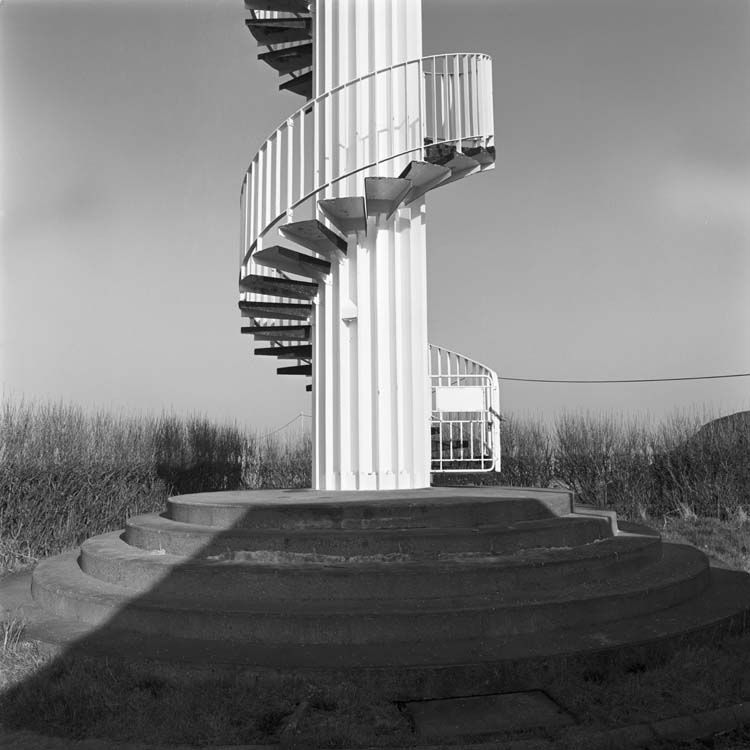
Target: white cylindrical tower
[343,180]
[371,409]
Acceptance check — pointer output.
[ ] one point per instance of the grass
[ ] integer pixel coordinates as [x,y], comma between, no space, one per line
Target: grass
[66,474]
[81,697]
[726,542]
[78,697]
[695,678]
[11,633]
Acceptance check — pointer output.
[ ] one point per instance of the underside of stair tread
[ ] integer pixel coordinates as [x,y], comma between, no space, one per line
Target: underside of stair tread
[290,261]
[282,6]
[305,370]
[278,310]
[316,236]
[288,59]
[280,31]
[299,84]
[302,351]
[279,333]
[271,285]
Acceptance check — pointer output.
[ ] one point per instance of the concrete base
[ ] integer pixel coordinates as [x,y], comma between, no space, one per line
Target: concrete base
[419,594]
[470,718]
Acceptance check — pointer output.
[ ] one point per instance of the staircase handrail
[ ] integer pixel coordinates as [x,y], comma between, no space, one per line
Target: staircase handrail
[465,115]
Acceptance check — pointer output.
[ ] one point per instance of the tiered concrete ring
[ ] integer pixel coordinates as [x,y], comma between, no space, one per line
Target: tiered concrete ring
[411,590]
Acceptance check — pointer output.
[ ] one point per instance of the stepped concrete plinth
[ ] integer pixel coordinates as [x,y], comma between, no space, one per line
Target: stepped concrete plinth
[419,593]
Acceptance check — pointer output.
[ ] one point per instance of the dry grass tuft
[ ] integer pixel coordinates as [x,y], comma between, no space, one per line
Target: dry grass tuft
[66,475]
[690,465]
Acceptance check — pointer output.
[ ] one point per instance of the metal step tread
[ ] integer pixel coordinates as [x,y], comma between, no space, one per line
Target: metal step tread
[279,333]
[348,215]
[289,59]
[286,352]
[269,31]
[424,176]
[282,6]
[295,370]
[316,236]
[277,310]
[279,287]
[385,194]
[301,84]
[290,261]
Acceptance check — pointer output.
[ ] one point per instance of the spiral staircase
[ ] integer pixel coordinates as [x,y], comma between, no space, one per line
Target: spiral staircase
[312,190]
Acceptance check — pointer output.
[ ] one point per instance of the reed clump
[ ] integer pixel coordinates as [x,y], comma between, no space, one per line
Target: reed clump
[66,474]
[691,464]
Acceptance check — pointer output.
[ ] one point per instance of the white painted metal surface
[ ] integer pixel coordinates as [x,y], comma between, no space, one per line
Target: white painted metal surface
[464,398]
[465,413]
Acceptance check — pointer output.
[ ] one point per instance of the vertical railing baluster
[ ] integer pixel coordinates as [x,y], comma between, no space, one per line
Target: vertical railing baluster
[490,102]
[466,96]
[316,143]
[331,138]
[457,99]
[434,100]
[422,83]
[301,155]
[261,196]
[444,86]
[243,221]
[252,218]
[476,127]
[289,167]
[277,165]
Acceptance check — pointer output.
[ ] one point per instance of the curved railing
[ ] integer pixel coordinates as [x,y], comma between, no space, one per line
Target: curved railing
[297,162]
[465,413]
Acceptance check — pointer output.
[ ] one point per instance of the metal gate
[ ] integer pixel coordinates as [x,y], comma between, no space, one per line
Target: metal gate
[465,414]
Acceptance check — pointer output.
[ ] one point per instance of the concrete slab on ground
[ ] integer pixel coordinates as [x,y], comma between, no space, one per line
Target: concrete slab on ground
[482,715]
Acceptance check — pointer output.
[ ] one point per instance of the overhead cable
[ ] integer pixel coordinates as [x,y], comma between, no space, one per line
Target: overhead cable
[632,380]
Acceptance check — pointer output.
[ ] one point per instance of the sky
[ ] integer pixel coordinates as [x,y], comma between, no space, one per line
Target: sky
[612,240]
